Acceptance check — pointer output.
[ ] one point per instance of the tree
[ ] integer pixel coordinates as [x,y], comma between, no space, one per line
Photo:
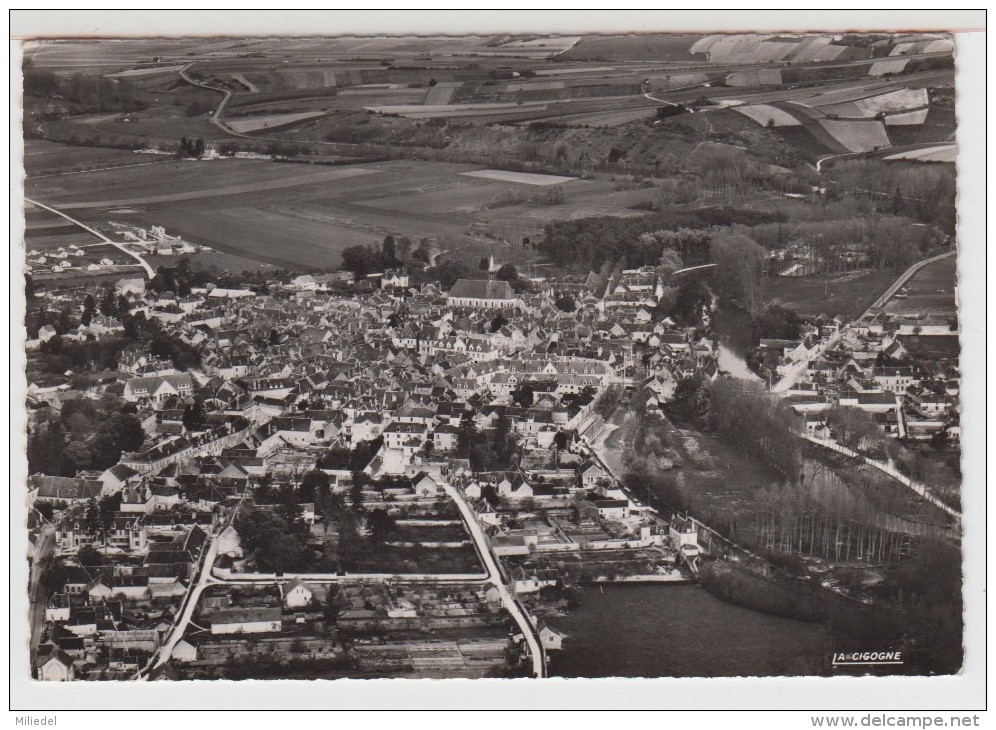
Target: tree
[670,262]
[360,260]
[315,484]
[356,491]
[421,252]
[380,524]
[523,395]
[193,415]
[121,432]
[89,556]
[507,273]
[565,303]
[331,603]
[666,303]
[198,149]
[53,577]
[268,536]
[404,249]
[498,322]
[739,269]
[89,307]
[484,264]
[289,507]
[777,322]
[263,494]
[851,426]
[389,252]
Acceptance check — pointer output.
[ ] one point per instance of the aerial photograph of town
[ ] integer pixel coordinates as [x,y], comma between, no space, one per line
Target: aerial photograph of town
[491,356]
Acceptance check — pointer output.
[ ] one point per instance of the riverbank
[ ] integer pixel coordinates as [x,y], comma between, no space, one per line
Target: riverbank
[645,580]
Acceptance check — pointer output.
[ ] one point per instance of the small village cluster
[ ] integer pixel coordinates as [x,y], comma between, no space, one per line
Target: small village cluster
[902,372]
[407,377]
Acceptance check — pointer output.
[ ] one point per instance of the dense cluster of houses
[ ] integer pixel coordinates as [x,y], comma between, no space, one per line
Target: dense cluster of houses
[305,371]
[105,621]
[902,372]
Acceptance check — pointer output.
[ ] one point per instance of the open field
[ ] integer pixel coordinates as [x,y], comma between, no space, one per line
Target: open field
[604,119]
[51,158]
[857,135]
[765,115]
[303,216]
[212,260]
[196,180]
[844,294]
[258,124]
[631,48]
[914,118]
[163,124]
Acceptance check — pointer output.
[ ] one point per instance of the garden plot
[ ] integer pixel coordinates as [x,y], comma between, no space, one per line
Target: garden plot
[526,178]
[257,124]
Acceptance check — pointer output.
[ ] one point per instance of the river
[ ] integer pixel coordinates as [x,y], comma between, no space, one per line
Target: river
[680,631]
[732,325]
[684,631]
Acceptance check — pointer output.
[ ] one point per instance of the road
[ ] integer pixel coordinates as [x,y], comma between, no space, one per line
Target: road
[690,269]
[660,101]
[819,162]
[120,247]
[220,109]
[510,602]
[895,286]
[97,169]
[209,553]
[798,370]
[920,489]
[191,600]
[493,575]
[36,613]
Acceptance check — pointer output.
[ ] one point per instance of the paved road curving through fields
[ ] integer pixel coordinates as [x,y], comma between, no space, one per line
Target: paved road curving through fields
[906,276]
